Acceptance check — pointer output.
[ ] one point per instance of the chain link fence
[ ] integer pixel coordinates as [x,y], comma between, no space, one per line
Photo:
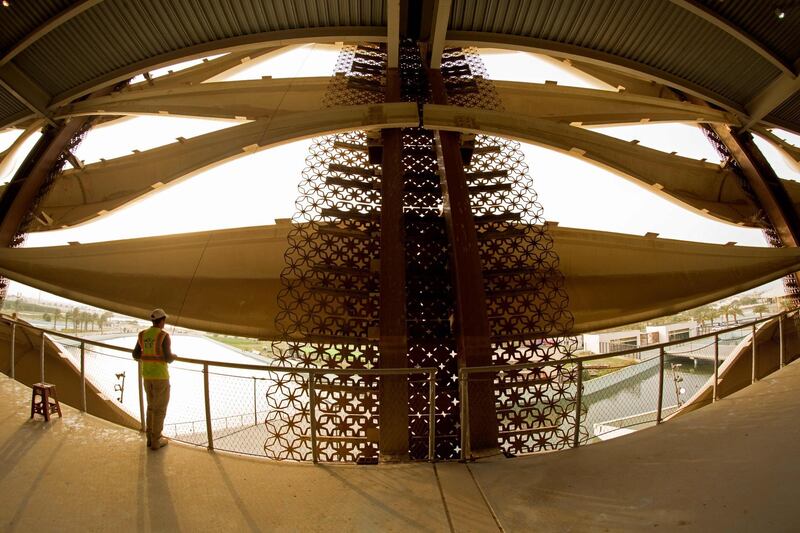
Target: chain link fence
[266,411]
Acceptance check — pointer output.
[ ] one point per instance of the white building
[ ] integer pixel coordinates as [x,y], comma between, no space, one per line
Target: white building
[671,332]
[612,341]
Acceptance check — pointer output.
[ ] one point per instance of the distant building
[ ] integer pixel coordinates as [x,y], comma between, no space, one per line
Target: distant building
[612,341]
[672,332]
[615,341]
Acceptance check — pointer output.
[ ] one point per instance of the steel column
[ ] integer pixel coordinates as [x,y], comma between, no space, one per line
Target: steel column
[715,397]
[312,415]
[578,402]
[83,377]
[207,398]
[393,390]
[255,403]
[13,350]
[660,384]
[432,416]
[780,340]
[753,378]
[472,330]
[41,360]
[463,389]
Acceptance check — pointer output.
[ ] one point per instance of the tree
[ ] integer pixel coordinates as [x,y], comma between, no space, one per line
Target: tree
[102,320]
[46,317]
[731,309]
[56,315]
[761,309]
[75,315]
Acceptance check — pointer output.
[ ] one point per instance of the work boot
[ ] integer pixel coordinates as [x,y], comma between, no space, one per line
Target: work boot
[160,443]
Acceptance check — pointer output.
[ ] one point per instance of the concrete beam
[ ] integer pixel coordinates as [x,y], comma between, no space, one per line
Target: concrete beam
[709,15]
[210,68]
[611,279]
[703,187]
[273,97]
[591,106]
[11,153]
[231,44]
[80,195]
[791,151]
[249,99]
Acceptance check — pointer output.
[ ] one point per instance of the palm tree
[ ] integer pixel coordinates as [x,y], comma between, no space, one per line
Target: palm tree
[736,310]
[761,309]
[56,316]
[76,317]
[102,320]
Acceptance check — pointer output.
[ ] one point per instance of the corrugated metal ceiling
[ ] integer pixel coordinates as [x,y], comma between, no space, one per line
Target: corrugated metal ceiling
[758,18]
[21,18]
[117,33]
[788,112]
[655,33]
[10,106]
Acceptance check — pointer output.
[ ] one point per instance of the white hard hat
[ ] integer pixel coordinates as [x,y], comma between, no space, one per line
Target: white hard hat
[158,314]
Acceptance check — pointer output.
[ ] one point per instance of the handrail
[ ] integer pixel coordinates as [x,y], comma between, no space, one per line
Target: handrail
[241,366]
[380,371]
[311,372]
[584,358]
[463,373]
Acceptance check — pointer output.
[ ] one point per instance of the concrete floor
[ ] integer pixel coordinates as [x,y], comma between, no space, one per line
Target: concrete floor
[732,466]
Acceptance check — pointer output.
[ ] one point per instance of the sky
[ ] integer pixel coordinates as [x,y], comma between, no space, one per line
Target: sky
[259,188]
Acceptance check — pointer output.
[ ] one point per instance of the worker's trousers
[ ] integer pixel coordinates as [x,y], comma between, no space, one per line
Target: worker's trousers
[157,391]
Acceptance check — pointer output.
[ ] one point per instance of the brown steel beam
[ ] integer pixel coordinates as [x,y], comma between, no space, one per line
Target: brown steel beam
[23,189]
[766,185]
[22,192]
[472,328]
[393,391]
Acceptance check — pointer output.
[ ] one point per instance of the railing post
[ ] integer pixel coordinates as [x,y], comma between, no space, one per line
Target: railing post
[578,402]
[13,348]
[660,383]
[312,415]
[753,350]
[715,397]
[780,340]
[41,360]
[255,403]
[206,393]
[463,383]
[83,377]
[432,416]
[141,397]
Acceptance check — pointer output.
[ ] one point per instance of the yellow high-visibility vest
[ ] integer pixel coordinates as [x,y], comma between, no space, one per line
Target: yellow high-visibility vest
[154,365]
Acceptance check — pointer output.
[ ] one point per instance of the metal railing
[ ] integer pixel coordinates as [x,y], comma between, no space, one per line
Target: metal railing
[312,374]
[464,373]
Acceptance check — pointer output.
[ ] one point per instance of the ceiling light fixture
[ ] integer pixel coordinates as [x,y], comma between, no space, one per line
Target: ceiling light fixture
[6,3]
[780,13]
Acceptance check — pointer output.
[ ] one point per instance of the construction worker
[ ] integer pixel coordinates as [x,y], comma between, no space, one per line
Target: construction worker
[153,349]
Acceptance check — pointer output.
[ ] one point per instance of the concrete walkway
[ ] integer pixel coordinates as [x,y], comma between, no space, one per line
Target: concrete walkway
[732,466]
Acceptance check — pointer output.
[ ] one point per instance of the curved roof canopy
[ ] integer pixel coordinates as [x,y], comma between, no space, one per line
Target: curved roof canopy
[737,54]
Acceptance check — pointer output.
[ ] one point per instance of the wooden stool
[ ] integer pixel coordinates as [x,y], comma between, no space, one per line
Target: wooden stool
[48,400]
